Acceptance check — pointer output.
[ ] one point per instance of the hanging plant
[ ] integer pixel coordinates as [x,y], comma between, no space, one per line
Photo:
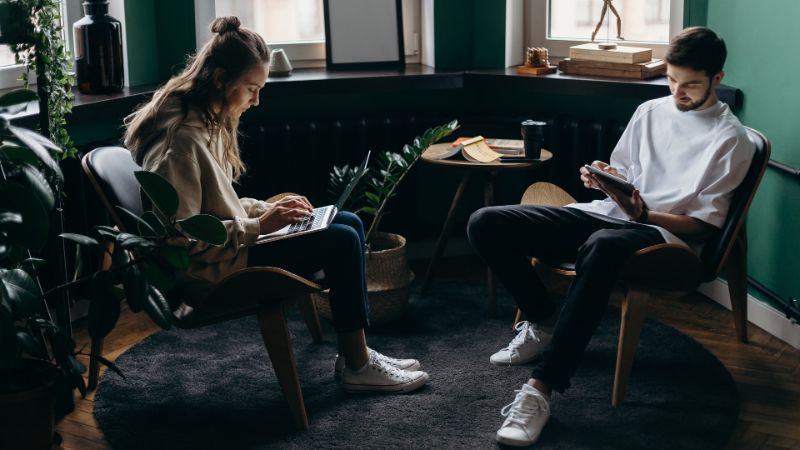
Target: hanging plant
[44,53]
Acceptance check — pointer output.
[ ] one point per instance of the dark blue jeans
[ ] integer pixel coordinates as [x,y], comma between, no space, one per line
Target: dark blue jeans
[507,236]
[339,252]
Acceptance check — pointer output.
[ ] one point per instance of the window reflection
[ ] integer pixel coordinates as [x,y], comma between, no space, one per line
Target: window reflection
[279,21]
[642,20]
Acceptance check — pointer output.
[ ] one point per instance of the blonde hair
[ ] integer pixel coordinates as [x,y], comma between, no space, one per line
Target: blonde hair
[232,51]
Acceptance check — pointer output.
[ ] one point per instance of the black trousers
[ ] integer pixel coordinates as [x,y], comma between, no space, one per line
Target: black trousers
[337,250]
[506,237]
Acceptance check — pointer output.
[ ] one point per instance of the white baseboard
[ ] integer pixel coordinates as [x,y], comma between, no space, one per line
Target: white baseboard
[758,313]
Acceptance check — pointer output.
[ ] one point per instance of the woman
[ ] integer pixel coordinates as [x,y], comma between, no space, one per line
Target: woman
[187,133]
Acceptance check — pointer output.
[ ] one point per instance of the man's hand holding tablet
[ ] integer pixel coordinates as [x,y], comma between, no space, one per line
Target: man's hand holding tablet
[610,180]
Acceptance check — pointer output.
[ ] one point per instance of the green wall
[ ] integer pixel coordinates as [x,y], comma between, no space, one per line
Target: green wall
[761,64]
[469,34]
[160,34]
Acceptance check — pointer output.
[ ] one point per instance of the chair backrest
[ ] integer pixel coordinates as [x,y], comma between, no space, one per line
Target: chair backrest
[111,172]
[717,249]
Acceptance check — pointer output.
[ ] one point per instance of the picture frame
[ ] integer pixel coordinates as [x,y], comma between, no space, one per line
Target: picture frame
[364,34]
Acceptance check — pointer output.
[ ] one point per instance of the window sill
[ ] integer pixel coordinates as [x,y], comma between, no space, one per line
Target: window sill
[415,77]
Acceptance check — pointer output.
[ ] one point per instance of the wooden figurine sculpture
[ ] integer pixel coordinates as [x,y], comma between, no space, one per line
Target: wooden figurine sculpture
[606,6]
[537,57]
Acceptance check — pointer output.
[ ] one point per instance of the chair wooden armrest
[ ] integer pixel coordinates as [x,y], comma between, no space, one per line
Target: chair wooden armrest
[244,292]
[670,267]
[548,194]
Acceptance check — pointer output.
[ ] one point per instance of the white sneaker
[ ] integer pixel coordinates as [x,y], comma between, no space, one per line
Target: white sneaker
[378,376]
[402,364]
[525,417]
[528,345]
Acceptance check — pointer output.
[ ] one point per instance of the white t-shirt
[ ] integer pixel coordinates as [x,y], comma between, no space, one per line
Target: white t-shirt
[682,162]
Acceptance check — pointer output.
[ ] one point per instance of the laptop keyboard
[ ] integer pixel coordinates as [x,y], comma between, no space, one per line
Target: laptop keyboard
[312,221]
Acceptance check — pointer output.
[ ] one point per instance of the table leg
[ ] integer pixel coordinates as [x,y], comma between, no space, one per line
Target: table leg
[445,233]
[488,200]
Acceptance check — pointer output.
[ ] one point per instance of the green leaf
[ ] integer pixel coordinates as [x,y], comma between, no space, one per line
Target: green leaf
[18,96]
[107,232]
[46,143]
[135,285]
[81,239]
[143,227]
[26,137]
[157,308]
[22,290]
[177,257]
[159,191]
[38,184]
[206,228]
[104,308]
[31,345]
[15,153]
[119,257]
[154,224]
[129,241]
[10,218]
[34,262]
[32,233]
[158,276]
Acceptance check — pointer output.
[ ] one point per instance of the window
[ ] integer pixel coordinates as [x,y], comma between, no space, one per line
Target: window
[297,26]
[10,71]
[559,24]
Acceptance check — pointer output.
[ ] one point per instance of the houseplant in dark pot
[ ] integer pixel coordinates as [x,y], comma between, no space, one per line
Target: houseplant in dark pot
[39,365]
[388,274]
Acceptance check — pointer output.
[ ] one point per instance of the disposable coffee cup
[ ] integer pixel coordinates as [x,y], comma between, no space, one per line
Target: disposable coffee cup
[533,133]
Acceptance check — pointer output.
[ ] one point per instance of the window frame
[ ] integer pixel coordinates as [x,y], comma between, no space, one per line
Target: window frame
[312,54]
[72,10]
[536,28]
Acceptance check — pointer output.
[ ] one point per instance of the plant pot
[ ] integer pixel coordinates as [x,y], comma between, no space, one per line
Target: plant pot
[388,280]
[26,417]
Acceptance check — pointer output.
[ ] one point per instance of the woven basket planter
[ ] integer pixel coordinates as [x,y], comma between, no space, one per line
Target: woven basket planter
[388,280]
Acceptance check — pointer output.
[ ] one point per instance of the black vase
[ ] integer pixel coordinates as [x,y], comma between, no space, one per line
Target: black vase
[98,50]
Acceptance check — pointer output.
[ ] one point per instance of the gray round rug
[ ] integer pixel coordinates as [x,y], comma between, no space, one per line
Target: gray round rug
[215,388]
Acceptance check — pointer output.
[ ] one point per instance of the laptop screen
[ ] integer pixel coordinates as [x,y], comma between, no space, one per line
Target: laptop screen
[362,169]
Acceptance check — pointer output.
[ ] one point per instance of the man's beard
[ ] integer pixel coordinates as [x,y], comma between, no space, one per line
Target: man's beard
[694,105]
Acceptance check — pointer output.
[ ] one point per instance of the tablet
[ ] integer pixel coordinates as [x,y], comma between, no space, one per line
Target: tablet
[615,182]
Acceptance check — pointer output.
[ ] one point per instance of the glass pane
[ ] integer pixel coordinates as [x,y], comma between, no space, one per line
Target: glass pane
[6,56]
[279,21]
[642,20]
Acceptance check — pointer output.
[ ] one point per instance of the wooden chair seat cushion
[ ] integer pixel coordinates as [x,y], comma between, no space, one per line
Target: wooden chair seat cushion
[244,293]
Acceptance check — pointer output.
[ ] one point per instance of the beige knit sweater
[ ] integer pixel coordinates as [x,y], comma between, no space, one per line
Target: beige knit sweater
[195,166]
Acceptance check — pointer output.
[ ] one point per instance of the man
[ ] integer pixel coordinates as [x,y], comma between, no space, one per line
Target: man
[684,153]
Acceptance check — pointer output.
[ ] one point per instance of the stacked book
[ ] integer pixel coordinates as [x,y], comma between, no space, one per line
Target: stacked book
[621,61]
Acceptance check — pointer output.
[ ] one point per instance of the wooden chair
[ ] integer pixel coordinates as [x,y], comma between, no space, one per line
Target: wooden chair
[665,268]
[263,291]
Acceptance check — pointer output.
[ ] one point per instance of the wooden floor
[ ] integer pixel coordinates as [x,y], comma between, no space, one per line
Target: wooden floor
[766,371]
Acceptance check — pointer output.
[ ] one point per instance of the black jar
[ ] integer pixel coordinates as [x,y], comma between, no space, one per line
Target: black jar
[98,50]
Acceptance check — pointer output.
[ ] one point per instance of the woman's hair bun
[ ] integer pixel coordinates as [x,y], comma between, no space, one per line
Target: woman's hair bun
[225,24]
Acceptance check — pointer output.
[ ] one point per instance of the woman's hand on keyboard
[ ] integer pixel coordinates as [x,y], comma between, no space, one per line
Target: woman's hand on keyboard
[295,201]
[284,212]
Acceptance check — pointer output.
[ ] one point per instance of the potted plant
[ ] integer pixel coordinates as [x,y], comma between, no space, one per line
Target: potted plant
[39,368]
[388,275]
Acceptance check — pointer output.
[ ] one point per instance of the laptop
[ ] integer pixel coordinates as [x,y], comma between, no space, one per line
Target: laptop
[321,217]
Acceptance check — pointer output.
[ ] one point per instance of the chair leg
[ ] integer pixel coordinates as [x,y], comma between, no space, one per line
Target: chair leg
[736,270]
[94,364]
[634,307]
[275,333]
[309,312]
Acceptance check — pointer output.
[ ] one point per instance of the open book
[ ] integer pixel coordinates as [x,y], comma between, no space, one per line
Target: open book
[478,149]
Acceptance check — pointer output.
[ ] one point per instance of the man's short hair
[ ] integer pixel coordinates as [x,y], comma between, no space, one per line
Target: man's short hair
[697,48]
